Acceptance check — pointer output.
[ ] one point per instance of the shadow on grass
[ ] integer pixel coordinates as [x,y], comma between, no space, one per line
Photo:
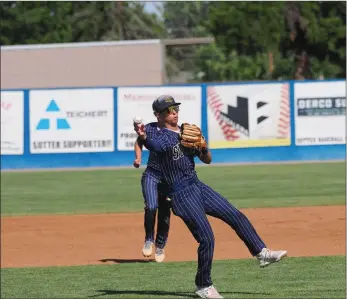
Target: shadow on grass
[126,261]
[164,293]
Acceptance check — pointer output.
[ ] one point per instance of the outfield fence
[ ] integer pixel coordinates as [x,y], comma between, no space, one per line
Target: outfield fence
[248,122]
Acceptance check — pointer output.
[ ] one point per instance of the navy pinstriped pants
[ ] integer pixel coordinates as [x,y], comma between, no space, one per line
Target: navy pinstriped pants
[192,204]
[155,198]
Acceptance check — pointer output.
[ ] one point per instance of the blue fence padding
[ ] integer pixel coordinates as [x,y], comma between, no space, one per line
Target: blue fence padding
[125,158]
[237,155]
[280,153]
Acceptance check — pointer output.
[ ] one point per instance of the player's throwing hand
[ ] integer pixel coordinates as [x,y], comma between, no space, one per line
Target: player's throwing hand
[137,163]
[140,130]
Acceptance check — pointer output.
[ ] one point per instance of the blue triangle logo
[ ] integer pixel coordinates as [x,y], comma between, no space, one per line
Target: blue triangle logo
[43,124]
[62,124]
[52,107]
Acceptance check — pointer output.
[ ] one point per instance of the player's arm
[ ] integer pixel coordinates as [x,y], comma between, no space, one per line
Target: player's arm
[138,153]
[205,156]
[156,144]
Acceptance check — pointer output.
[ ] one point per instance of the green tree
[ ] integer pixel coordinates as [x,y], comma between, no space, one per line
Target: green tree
[58,22]
[275,40]
[34,22]
[326,37]
[254,40]
[184,20]
[248,35]
[102,21]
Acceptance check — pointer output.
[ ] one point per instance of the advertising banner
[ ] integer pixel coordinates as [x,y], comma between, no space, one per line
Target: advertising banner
[248,115]
[12,123]
[71,121]
[320,113]
[137,101]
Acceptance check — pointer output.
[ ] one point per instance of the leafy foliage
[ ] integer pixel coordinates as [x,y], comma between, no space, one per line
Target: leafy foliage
[275,40]
[57,22]
[253,40]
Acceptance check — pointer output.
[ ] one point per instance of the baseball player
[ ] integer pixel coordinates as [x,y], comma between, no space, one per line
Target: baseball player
[154,197]
[192,200]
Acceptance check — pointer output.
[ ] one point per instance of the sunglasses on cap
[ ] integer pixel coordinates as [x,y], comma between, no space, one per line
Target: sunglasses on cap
[171,109]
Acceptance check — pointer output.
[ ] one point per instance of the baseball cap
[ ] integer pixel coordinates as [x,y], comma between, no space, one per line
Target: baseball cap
[163,102]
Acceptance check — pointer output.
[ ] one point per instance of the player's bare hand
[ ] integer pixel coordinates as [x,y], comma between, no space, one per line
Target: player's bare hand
[140,129]
[137,163]
[136,126]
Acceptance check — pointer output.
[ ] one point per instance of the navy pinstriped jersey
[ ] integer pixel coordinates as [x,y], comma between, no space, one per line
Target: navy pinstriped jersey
[151,130]
[176,163]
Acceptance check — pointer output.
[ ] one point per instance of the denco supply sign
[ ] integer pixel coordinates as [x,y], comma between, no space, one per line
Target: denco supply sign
[71,121]
[137,101]
[12,122]
[320,116]
[321,106]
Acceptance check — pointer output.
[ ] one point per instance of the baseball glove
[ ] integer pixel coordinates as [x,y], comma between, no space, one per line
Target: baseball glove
[191,137]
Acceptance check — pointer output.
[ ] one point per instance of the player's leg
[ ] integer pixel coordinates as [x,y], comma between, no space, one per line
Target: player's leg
[187,205]
[150,194]
[163,226]
[217,206]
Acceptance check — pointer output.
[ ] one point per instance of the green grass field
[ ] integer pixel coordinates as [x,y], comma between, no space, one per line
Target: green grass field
[119,191]
[319,277]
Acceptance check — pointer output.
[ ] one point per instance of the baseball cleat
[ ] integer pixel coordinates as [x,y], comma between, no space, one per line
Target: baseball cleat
[159,255]
[147,249]
[267,256]
[208,292]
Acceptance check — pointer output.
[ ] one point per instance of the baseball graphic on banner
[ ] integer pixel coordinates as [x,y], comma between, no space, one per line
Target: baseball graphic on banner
[12,122]
[254,115]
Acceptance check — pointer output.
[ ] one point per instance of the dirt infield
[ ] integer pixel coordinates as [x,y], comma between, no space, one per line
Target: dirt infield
[116,238]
